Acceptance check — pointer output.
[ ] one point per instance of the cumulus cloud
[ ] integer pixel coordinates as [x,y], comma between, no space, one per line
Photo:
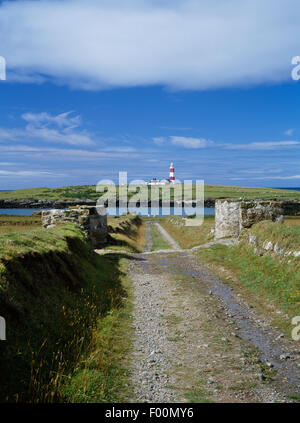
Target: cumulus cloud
[62,128]
[123,43]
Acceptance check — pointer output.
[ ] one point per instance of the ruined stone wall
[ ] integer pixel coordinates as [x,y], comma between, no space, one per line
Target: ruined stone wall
[91,223]
[262,247]
[252,212]
[232,216]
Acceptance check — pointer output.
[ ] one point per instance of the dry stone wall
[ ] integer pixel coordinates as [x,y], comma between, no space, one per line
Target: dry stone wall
[93,224]
[232,216]
[262,247]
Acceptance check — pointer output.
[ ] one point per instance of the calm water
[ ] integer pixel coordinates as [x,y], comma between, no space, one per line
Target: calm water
[159,212]
[293,189]
[21,212]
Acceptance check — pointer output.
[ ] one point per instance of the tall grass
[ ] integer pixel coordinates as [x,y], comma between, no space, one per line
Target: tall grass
[286,236]
[126,233]
[15,223]
[54,293]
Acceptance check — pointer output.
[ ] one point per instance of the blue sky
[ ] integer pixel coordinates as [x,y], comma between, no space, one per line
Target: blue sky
[160,82]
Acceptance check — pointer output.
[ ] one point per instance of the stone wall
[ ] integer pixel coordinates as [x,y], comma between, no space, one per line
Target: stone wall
[232,216]
[269,247]
[92,224]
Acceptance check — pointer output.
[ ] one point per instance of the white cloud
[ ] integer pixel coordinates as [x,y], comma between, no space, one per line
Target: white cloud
[44,127]
[262,178]
[123,43]
[189,142]
[27,173]
[268,145]
[69,154]
[63,120]
[289,132]
[7,163]
[195,143]
[186,142]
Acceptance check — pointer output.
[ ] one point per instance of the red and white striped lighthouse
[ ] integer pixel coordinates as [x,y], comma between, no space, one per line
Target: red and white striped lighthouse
[172,177]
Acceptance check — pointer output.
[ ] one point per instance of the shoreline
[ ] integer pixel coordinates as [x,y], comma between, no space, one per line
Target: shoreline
[60,204]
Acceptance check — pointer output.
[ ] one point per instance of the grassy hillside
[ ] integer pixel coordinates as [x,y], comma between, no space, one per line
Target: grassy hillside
[15,223]
[286,236]
[126,233]
[89,192]
[62,303]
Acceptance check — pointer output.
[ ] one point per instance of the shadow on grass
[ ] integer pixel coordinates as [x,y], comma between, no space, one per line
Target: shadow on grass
[51,301]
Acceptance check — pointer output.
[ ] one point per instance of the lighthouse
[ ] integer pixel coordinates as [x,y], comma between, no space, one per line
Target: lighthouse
[172,177]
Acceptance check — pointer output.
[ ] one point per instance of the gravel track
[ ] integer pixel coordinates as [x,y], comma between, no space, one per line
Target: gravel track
[167,237]
[176,340]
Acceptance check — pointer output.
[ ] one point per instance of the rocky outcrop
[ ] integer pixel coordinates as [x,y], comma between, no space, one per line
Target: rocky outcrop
[232,216]
[35,203]
[93,224]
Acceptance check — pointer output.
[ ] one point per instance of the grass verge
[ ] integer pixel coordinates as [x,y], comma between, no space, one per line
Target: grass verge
[63,308]
[265,276]
[126,233]
[101,374]
[157,240]
[285,236]
[189,236]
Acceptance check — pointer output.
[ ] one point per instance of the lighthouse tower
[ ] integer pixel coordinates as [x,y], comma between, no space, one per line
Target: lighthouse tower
[172,177]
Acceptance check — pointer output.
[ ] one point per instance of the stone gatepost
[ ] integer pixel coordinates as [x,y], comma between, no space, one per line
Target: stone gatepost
[93,224]
[227,219]
[234,215]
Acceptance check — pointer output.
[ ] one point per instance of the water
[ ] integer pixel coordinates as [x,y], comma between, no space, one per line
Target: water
[160,211]
[118,212]
[293,189]
[19,212]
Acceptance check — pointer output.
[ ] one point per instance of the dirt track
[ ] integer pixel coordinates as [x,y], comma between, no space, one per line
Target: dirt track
[196,340]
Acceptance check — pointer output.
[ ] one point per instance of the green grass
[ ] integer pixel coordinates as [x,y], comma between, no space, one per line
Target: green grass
[265,276]
[224,191]
[63,305]
[101,374]
[63,193]
[198,394]
[173,319]
[158,242]
[126,233]
[15,223]
[286,236]
[82,192]
[189,236]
